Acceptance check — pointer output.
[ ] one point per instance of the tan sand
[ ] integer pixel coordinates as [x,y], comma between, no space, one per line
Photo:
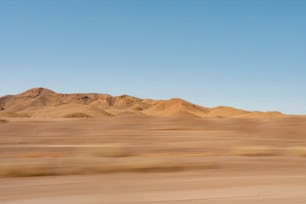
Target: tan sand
[96,148]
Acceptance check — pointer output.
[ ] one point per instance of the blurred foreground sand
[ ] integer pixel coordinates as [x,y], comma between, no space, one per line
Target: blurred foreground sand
[136,159]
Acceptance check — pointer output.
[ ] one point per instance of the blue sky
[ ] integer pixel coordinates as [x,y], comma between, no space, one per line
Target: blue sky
[249,54]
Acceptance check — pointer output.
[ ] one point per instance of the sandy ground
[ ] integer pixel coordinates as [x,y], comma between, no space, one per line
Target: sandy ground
[274,174]
[184,187]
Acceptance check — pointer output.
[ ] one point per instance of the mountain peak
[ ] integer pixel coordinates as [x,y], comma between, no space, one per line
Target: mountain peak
[39,91]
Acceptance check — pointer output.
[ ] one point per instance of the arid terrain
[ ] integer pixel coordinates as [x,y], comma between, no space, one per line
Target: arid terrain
[97,148]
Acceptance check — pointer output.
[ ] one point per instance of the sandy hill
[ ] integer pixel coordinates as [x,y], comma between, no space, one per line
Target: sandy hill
[45,103]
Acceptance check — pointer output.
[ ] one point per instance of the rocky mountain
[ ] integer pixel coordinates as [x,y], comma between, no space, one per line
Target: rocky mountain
[45,103]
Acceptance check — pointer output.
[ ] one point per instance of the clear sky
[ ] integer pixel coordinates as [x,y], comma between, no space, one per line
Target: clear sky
[249,54]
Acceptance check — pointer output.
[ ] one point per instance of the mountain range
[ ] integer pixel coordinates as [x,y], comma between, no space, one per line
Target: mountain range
[45,103]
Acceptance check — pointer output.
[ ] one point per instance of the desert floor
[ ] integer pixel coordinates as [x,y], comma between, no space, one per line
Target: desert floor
[137,159]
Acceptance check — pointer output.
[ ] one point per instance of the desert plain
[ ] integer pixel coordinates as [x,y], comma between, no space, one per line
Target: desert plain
[101,149]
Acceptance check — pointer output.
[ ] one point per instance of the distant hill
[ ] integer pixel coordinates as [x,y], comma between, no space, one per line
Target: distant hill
[45,103]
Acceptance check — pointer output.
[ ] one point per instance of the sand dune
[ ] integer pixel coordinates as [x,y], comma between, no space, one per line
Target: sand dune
[45,103]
